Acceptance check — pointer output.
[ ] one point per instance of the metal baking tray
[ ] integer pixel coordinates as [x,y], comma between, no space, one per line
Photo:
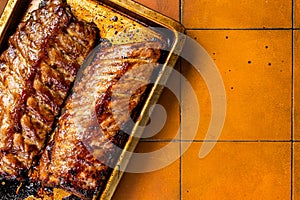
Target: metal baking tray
[135,23]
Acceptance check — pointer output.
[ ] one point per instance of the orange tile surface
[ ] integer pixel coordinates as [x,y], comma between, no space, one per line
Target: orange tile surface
[204,103]
[297,85]
[297,13]
[166,7]
[2,5]
[256,67]
[238,171]
[237,14]
[297,172]
[161,184]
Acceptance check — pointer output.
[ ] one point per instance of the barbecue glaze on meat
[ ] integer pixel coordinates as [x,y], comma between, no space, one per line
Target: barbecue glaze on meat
[95,119]
[36,72]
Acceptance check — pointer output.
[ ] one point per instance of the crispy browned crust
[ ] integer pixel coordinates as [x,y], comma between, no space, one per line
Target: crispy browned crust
[36,72]
[84,142]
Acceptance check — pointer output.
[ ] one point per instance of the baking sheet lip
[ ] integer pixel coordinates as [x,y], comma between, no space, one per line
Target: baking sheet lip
[6,17]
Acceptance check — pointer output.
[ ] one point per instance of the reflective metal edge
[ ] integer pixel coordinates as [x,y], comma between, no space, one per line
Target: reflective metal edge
[7,16]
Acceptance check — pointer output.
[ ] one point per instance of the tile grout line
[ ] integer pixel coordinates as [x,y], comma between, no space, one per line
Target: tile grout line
[293,102]
[181,11]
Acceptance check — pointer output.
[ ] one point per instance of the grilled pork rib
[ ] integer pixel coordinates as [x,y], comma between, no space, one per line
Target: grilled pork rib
[36,72]
[94,121]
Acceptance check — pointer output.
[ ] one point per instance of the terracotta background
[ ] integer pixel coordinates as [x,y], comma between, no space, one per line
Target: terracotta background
[256,46]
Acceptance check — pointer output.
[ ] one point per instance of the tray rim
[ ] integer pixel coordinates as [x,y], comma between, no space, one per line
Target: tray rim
[7,16]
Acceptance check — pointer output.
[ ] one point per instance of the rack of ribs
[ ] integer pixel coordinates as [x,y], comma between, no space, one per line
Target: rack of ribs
[36,72]
[92,129]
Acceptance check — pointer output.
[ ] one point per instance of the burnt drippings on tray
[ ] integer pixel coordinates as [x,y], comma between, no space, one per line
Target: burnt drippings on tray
[114,18]
[16,190]
[13,189]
